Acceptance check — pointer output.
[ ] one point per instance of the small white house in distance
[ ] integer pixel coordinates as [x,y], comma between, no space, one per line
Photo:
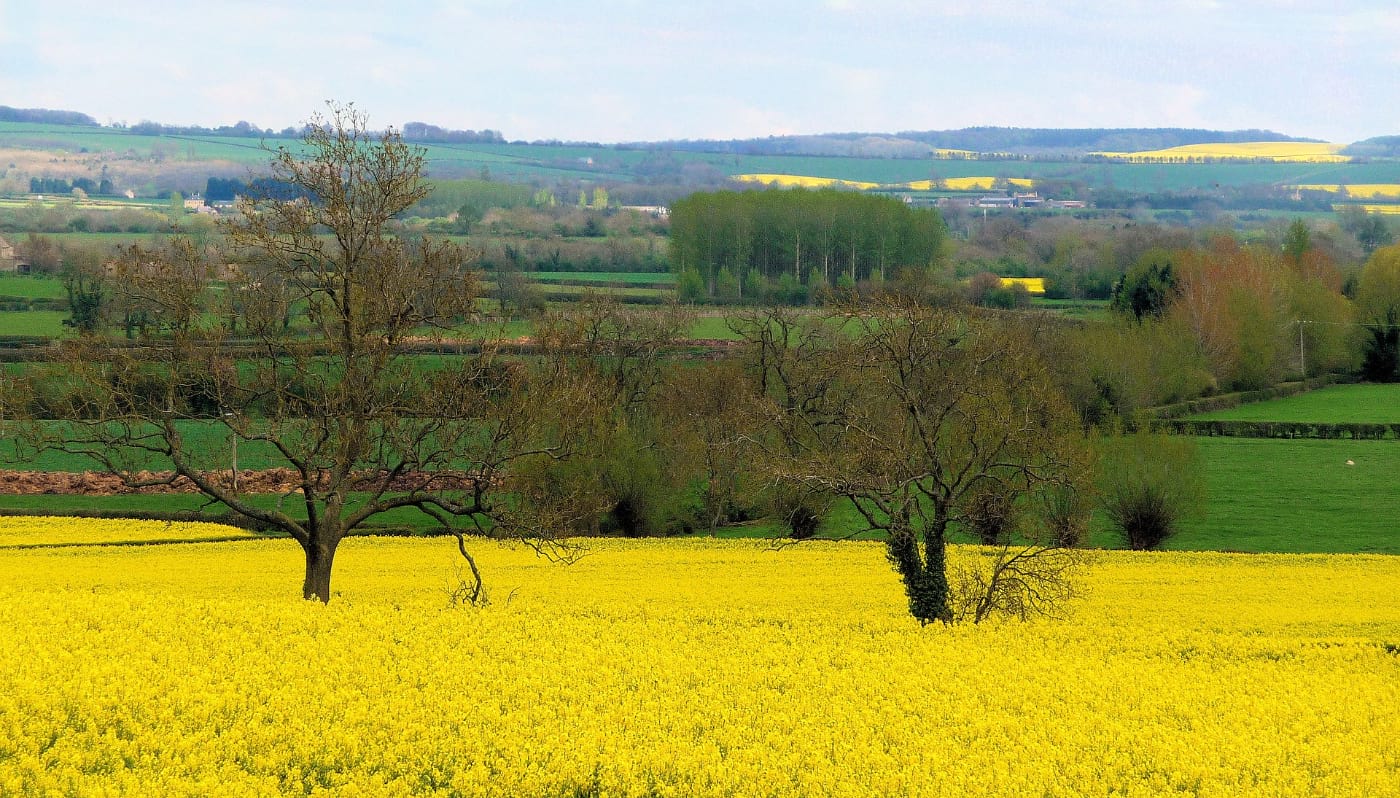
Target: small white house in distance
[655,211]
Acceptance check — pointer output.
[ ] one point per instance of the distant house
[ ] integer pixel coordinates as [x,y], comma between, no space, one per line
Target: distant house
[194,202]
[654,211]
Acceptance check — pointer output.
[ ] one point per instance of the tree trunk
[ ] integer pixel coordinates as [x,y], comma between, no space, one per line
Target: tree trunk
[320,555]
[925,577]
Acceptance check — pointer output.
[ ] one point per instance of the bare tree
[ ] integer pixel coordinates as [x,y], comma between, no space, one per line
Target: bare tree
[707,416]
[623,353]
[915,415]
[337,399]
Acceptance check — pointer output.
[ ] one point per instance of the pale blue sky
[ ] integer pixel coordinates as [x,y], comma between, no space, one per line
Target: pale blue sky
[626,70]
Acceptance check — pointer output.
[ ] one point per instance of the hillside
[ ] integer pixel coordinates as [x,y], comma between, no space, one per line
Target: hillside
[152,160]
[1002,142]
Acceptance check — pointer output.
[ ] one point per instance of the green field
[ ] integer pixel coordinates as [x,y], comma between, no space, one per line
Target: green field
[627,278]
[31,287]
[569,162]
[47,323]
[1335,404]
[1262,496]
[1297,496]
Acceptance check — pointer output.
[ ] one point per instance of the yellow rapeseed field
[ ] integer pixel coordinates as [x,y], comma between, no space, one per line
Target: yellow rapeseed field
[29,531]
[803,181]
[1290,151]
[1033,285]
[947,183]
[966,183]
[686,668]
[1386,209]
[1381,191]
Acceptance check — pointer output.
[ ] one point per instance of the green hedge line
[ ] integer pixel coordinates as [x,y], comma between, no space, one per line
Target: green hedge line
[1225,401]
[23,303]
[1278,429]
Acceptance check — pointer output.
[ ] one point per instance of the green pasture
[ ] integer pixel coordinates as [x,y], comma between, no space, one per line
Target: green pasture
[573,162]
[1297,496]
[31,287]
[209,441]
[643,279]
[1262,496]
[1086,309]
[1365,403]
[47,323]
[581,291]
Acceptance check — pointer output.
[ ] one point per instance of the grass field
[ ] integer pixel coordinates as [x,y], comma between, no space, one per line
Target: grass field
[33,322]
[630,278]
[31,287]
[686,668]
[528,162]
[1335,404]
[1296,496]
[1262,496]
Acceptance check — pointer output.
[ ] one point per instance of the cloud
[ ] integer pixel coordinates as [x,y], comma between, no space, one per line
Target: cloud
[627,70]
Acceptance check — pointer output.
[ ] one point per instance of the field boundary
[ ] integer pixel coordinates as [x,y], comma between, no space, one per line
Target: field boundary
[1227,401]
[1309,430]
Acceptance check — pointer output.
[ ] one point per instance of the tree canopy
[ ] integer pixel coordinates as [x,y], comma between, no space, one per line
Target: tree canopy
[816,237]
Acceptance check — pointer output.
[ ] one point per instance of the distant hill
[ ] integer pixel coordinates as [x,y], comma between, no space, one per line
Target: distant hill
[44,116]
[1009,141]
[1378,147]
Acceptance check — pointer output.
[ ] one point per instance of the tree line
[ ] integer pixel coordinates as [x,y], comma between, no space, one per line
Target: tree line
[823,238]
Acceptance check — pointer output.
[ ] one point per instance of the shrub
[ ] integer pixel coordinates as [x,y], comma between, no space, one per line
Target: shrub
[1065,511]
[800,511]
[990,516]
[1148,484]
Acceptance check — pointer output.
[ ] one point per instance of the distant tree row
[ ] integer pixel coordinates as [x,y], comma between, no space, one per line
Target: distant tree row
[822,238]
[240,129]
[422,131]
[224,189]
[44,116]
[57,185]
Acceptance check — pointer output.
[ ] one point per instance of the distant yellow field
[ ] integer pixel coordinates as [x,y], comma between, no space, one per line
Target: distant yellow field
[803,181]
[1293,151]
[1357,190]
[947,183]
[1033,285]
[965,183]
[1387,209]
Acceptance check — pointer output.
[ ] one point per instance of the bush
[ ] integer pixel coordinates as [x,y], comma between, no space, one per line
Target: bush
[990,516]
[1065,511]
[690,286]
[800,511]
[1148,484]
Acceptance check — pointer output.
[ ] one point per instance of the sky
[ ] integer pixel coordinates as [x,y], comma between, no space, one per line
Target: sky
[628,70]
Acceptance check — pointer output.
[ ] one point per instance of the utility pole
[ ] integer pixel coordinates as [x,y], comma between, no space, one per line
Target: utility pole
[1302,354]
